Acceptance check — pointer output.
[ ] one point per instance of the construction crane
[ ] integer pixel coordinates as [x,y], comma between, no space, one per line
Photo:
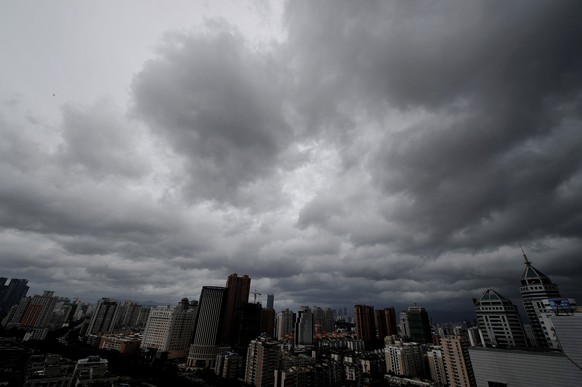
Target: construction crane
[255,294]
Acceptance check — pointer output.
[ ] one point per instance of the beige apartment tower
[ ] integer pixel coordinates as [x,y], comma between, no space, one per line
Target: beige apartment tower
[457,361]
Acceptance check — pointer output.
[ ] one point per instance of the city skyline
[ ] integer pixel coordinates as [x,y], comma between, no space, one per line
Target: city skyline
[384,154]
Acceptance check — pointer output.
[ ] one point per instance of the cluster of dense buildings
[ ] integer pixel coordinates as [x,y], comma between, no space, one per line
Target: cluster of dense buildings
[243,340]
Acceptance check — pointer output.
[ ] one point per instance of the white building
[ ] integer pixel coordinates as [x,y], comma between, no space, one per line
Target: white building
[404,358]
[436,364]
[498,320]
[156,333]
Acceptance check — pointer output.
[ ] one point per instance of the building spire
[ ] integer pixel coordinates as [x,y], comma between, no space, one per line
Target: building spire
[527,262]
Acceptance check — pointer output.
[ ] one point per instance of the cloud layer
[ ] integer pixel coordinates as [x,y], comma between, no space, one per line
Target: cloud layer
[386,153]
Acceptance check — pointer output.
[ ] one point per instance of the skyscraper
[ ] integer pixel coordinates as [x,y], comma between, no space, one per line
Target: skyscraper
[436,365]
[386,323]
[270,301]
[268,321]
[458,361]
[285,323]
[11,294]
[498,320]
[365,322]
[263,357]
[247,326]
[237,294]
[156,331]
[404,358]
[535,287]
[39,310]
[209,327]
[104,317]
[304,327]
[182,328]
[170,329]
[419,325]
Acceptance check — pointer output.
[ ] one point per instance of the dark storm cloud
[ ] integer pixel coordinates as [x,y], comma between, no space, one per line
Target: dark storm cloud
[491,158]
[382,153]
[218,103]
[501,88]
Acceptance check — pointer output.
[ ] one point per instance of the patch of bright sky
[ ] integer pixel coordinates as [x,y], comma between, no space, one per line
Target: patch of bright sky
[76,52]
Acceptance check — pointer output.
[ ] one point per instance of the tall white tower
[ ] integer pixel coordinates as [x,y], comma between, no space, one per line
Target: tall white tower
[536,287]
[498,320]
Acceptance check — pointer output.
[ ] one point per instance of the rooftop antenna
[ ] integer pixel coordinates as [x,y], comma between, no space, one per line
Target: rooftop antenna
[527,262]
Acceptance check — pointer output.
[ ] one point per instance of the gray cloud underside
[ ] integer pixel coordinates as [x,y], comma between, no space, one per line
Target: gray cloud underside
[385,153]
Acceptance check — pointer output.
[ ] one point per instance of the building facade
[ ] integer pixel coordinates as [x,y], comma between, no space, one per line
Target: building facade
[419,325]
[386,323]
[208,330]
[498,321]
[535,287]
[404,359]
[285,324]
[263,358]
[238,288]
[365,322]
[457,361]
[104,317]
[519,368]
[304,327]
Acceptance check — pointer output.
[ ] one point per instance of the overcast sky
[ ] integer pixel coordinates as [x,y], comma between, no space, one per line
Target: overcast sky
[337,152]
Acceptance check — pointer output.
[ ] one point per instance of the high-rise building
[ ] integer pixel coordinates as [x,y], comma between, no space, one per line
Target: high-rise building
[11,294]
[263,358]
[104,317]
[228,365]
[285,323]
[365,324]
[386,323]
[498,320]
[419,325]
[128,313]
[318,316]
[270,301]
[436,364]
[323,320]
[39,310]
[328,320]
[238,289]
[457,361]
[15,314]
[247,326]
[208,329]
[404,358]
[304,327]
[267,321]
[182,328]
[170,329]
[535,287]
